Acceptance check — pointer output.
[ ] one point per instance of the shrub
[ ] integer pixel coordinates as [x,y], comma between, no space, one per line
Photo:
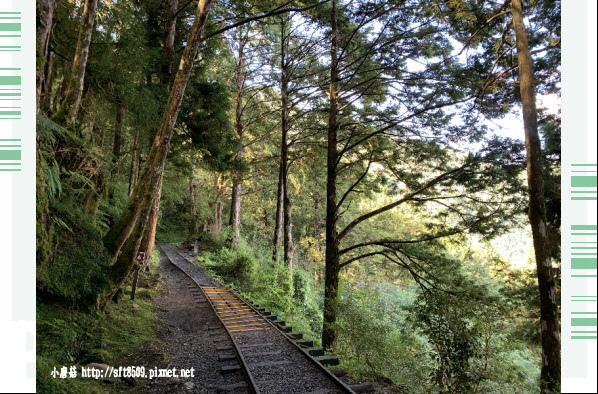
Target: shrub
[233,266]
[77,274]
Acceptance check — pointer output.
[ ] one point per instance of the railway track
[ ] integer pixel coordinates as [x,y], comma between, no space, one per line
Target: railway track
[270,359]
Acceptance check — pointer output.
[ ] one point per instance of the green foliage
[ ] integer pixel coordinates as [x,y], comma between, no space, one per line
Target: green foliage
[251,270]
[72,338]
[470,344]
[374,339]
[233,266]
[409,112]
[456,341]
[75,272]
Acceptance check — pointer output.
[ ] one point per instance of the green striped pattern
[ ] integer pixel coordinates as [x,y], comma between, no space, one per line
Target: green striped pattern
[10,27]
[583,325]
[10,155]
[583,250]
[583,182]
[10,94]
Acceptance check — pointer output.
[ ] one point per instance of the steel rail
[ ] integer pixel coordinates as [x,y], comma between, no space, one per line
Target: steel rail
[337,382]
[251,382]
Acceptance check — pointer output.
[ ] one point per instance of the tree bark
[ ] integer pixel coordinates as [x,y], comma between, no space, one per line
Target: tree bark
[149,236]
[278,225]
[70,105]
[43,23]
[46,93]
[316,221]
[288,229]
[44,15]
[549,327]
[217,227]
[193,222]
[329,332]
[284,148]
[139,165]
[64,84]
[118,133]
[132,164]
[150,179]
[125,261]
[235,212]
[168,48]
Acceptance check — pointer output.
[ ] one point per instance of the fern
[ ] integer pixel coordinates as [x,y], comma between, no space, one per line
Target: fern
[53,183]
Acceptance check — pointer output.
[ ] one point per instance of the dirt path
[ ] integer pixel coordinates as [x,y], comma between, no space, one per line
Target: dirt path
[189,341]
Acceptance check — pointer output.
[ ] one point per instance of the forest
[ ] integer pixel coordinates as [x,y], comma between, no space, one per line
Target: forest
[342,162]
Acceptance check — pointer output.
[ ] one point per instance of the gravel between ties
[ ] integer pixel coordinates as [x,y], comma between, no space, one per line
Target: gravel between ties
[190,343]
[276,365]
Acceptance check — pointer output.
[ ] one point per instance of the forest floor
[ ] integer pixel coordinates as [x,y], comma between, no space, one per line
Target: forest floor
[189,342]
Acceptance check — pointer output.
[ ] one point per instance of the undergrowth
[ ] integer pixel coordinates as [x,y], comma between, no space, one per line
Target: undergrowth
[382,336]
[68,337]
[252,272]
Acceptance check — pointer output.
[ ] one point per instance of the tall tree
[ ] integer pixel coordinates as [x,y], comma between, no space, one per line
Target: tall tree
[392,122]
[240,77]
[43,24]
[44,15]
[295,59]
[551,345]
[70,103]
[124,238]
[329,332]
[149,236]
[284,144]
[493,27]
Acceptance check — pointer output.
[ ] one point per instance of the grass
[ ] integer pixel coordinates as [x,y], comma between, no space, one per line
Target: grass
[122,335]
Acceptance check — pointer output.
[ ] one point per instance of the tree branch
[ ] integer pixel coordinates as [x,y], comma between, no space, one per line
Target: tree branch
[408,197]
[274,12]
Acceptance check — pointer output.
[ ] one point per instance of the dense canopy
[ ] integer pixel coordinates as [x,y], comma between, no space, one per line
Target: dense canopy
[340,160]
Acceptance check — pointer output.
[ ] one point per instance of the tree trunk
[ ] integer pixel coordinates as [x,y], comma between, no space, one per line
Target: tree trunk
[70,104]
[150,179]
[149,236]
[235,209]
[235,212]
[139,165]
[44,14]
[125,261]
[118,133]
[217,227]
[82,112]
[64,84]
[551,348]
[46,93]
[278,225]
[316,222]
[284,148]
[126,234]
[193,222]
[288,230]
[132,164]
[217,217]
[329,332]
[168,49]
